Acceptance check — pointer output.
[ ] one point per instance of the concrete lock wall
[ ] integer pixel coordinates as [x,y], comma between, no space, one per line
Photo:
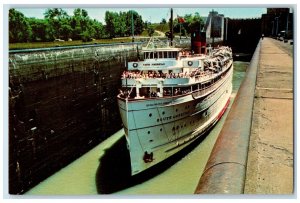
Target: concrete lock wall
[61,104]
[226,168]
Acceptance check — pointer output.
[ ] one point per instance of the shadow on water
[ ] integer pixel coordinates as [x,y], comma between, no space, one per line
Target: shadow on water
[114,171]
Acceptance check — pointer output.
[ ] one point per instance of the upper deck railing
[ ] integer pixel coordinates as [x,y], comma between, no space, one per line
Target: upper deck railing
[201,90]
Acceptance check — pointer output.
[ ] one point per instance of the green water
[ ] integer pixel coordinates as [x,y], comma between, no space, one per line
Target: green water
[105,168]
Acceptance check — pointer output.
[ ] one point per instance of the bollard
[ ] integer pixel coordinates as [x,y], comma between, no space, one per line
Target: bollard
[226,168]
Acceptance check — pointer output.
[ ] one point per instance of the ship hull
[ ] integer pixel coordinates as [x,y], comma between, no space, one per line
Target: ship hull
[157,129]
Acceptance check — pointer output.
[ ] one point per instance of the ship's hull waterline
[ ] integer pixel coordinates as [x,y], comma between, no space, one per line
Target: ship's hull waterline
[156,129]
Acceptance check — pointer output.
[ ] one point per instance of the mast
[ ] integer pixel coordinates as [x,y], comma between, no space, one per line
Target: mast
[171,27]
[212,27]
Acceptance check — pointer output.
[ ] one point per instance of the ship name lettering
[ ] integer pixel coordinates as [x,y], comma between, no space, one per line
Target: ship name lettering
[154,64]
[155,104]
[166,118]
[181,114]
[158,64]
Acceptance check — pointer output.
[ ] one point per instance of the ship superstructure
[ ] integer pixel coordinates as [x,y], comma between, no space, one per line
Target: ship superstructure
[170,98]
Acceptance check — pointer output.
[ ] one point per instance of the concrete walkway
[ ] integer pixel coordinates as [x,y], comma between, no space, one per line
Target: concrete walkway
[270,159]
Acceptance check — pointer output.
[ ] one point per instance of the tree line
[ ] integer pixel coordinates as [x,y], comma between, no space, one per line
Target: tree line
[58,25]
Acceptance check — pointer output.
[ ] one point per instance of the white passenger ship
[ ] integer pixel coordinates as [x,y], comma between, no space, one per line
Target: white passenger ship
[170,98]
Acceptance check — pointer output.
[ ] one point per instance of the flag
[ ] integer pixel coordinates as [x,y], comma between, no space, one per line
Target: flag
[180,19]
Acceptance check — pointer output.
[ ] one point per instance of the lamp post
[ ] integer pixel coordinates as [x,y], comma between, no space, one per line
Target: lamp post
[276,18]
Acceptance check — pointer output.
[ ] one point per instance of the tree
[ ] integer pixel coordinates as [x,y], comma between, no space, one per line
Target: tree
[55,14]
[163,21]
[56,17]
[120,24]
[150,31]
[191,24]
[38,27]
[195,23]
[80,23]
[146,24]
[110,23]
[99,29]
[19,27]
[138,23]
[65,31]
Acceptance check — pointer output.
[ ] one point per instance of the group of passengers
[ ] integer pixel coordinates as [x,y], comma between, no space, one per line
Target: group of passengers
[155,74]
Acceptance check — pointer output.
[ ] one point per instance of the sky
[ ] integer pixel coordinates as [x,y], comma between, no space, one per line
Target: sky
[154,15]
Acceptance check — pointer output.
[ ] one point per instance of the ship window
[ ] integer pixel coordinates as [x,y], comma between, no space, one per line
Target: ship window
[173,128]
[150,140]
[176,110]
[158,120]
[165,54]
[148,132]
[160,55]
[147,54]
[151,55]
[150,114]
[163,113]
[160,129]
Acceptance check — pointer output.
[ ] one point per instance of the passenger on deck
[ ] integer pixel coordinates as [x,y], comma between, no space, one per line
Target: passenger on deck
[121,93]
[153,94]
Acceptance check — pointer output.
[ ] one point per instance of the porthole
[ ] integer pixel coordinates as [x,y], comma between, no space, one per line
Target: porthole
[158,120]
[150,114]
[163,113]
[160,129]
[148,132]
[150,140]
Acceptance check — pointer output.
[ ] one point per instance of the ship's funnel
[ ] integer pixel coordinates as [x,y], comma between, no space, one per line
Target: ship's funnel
[198,42]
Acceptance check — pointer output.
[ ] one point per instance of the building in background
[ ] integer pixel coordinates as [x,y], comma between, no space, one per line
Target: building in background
[278,22]
[214,27]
